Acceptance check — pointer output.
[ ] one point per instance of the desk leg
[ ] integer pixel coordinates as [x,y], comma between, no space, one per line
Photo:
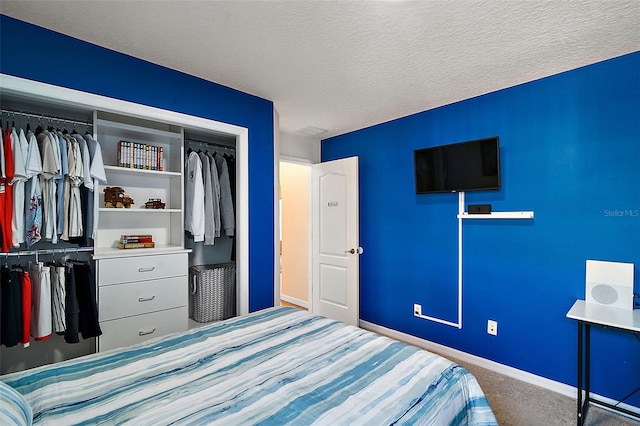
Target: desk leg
[587,367]
[579,373]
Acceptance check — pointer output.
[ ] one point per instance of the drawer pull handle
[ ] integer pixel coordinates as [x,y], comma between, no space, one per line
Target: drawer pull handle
[145,332]
[146,299]
[146,269]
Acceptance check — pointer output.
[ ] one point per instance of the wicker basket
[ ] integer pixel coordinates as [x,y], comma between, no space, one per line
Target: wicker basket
[213,292]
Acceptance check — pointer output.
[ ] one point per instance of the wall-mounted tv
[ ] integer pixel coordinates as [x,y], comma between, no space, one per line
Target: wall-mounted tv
[463,166]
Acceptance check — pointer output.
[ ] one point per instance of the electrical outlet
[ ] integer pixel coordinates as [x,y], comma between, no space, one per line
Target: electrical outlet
[492,327]
[417,309]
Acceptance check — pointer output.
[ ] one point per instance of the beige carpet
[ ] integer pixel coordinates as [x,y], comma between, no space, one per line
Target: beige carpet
[516,403]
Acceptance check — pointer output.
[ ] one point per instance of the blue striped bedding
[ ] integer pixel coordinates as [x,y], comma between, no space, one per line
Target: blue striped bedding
[273,367]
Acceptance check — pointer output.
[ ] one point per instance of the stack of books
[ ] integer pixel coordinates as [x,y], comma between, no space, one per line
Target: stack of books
[136,155]
[136,241]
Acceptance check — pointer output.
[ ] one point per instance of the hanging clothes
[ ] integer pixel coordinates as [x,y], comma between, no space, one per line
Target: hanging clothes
[41,325]
[48,298]
[231,167]
[231,163]
[71,306]
[215,183]
[86,189]
[58,289]
[33,193]
[209,225]
[7,237]
[226,202]
[85,287]
[67,187]
[6,194]
[25,281]
[20,152]
[50,168]
[36,199]
[76,177]
[59,180]
[98,175]
[11,315]
[194,198]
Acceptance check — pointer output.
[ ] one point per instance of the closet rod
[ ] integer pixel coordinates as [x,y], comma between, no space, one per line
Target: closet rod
[43,117]
[204,143]
[47,251]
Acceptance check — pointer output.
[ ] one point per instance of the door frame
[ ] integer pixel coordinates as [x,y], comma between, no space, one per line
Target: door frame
[278,282]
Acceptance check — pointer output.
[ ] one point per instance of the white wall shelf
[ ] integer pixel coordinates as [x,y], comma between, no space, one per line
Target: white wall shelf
[462,215]
[118,169]
[137,210]
[497,215]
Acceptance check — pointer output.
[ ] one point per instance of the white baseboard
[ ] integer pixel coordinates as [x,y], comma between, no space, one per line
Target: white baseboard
[295,301]
[521,375]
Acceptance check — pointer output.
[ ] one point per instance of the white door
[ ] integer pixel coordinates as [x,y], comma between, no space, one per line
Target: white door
[336,251]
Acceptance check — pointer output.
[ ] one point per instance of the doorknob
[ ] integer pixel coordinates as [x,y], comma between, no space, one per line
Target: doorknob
[359,250]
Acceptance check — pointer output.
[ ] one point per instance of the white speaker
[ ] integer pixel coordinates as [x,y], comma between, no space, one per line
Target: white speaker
[609,284]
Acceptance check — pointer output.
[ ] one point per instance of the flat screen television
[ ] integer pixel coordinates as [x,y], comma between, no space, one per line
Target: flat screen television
[463,166]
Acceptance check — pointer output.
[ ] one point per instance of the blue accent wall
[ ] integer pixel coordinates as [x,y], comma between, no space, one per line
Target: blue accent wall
[570,151]
[36,53]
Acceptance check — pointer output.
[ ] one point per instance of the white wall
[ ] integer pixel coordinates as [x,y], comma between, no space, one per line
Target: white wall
[303,148]
[294,184]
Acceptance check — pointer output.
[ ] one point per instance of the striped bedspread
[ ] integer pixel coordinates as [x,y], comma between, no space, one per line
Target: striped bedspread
[273,367]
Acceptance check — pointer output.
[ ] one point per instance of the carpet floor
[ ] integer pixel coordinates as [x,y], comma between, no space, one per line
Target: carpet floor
[517,403]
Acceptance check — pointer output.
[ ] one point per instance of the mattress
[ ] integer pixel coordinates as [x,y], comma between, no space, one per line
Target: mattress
[276,366]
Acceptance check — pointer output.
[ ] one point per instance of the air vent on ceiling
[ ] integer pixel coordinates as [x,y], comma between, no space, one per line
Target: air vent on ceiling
[311,131]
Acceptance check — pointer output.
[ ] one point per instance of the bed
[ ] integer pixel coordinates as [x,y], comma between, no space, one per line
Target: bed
[276,366]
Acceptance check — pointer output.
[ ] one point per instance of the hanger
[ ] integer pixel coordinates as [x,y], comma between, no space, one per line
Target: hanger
[39,128]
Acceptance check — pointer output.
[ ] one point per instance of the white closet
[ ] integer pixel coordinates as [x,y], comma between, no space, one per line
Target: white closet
[142,293]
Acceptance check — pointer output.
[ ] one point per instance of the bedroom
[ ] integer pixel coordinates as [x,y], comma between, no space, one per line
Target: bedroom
[569,148]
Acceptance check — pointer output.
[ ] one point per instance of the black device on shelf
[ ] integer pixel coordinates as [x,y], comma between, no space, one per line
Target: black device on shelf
[463,166]
[479,208]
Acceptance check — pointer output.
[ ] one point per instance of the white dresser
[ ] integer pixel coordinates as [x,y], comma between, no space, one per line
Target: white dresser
[141,297]
[142,293]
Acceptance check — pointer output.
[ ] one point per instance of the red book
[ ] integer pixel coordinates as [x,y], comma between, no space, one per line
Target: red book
[136,238]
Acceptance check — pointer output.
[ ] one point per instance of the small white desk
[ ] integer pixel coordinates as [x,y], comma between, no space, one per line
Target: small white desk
[588,314]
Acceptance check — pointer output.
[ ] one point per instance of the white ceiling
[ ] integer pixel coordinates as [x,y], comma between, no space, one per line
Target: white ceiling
[345,65]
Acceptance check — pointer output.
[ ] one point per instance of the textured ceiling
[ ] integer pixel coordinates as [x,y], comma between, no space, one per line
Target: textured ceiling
[345,65]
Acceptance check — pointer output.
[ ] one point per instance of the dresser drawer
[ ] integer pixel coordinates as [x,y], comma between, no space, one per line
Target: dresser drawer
[125,300]
[130,330]
[140,268]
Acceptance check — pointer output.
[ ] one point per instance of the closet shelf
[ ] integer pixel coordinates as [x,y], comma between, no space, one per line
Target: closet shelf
[498,215]
[134,210]
[133,131]
[118,169]
[110,252]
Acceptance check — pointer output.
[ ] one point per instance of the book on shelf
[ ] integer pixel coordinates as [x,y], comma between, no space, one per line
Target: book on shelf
[137,155]
[146,238]
[136,245]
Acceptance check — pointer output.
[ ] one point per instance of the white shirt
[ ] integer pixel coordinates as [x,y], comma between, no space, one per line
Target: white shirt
[20,149]
[194,198]
[97,172]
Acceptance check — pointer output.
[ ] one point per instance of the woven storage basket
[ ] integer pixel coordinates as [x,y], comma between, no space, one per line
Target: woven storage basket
[213,292]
